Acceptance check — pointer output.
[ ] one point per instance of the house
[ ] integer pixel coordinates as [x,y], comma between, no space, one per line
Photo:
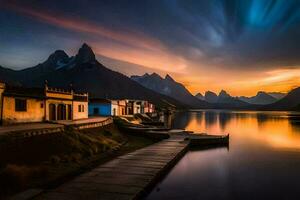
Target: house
[146,107]
[20,104]
[133,106]
[107,107]
[98,106]
[65,105]
[129,107]
[2,87]
[138,106]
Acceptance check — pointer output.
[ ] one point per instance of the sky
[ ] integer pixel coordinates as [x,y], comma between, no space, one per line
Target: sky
[241,46]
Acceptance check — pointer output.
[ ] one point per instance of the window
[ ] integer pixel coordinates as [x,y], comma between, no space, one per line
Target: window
[20,105]
[96,111]
[80,108]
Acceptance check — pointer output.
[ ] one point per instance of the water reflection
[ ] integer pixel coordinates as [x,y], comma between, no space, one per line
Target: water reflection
[263,161]
[278,129]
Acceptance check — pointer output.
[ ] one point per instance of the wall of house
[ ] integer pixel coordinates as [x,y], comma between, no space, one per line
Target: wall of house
[129,107]
[80,115]
[2,87]
[34,113]
[104,109]
[136,108]
[114,108]
[151,108]
[121,107]
[122,110]
[59,95]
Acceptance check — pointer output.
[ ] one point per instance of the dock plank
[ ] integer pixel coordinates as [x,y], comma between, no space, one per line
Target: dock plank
[126,177]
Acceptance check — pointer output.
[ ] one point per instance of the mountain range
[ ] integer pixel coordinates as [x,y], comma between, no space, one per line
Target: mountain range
[85,73]
[223,100]
[261,98]
[168,86]
[277,95]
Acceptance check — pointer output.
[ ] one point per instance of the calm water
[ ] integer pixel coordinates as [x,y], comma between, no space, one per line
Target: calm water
[262,161]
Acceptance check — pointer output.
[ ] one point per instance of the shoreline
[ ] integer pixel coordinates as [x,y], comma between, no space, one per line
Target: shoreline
[153,133]
[59,171]
[147,166]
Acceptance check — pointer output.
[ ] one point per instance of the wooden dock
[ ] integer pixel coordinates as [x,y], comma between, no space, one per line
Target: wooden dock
[126,177]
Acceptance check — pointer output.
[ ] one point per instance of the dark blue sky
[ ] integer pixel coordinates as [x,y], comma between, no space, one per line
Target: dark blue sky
[241,40]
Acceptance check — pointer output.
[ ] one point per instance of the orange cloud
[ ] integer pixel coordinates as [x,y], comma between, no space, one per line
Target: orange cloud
[156,60]
[129,46]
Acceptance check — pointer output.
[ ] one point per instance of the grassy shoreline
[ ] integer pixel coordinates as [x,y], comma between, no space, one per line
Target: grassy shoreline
[47,161]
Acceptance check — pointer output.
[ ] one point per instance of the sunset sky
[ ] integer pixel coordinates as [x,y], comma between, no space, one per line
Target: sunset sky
[241,46]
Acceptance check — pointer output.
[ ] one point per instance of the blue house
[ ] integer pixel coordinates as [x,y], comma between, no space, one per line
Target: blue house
[100,107]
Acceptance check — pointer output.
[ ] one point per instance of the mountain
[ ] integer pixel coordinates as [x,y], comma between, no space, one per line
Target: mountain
[85,73]
[222,98]
[168,86]
[210,97]
[290,102]
[277,95]
[226,101]
[261,98]
[200,96]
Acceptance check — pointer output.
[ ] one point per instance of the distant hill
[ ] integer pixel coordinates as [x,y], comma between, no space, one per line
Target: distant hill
[223,100]
[277,95]
[168,86]
[226,101]
[261,98]
[290,102]
[200,96]
[85,73]
[210,97]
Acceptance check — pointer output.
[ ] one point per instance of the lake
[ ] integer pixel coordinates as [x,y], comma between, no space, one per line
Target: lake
[261,162]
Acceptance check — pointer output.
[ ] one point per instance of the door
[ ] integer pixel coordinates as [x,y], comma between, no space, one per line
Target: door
[52,112]
[96,111]
[61,112]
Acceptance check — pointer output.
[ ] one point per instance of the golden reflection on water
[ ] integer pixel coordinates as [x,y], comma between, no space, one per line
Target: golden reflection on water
[274,129]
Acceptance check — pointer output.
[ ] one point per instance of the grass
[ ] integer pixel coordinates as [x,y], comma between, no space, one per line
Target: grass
[46,161]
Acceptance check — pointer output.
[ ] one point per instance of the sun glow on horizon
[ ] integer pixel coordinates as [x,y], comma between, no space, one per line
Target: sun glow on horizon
[280,80]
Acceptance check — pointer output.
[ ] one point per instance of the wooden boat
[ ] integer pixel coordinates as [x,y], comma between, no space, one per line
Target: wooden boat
[203,139]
